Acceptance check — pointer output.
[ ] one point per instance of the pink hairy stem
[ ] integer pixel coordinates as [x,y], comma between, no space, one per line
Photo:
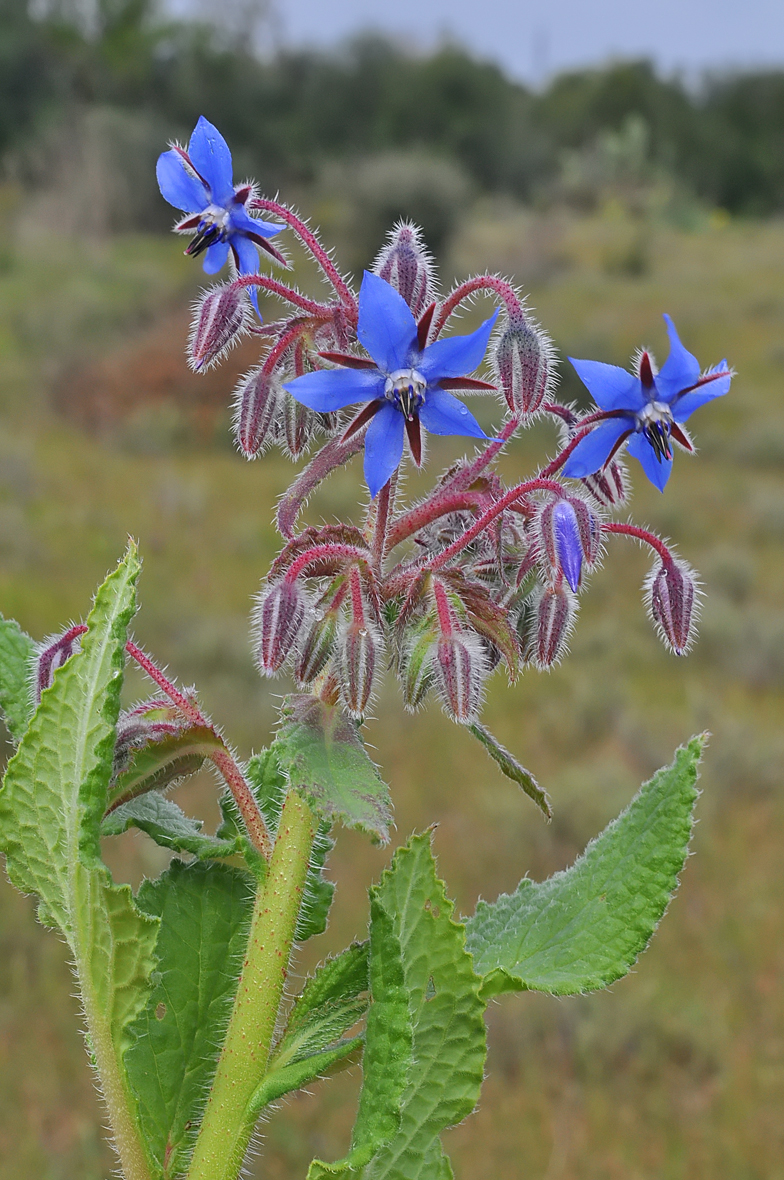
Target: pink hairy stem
[632,530]
[463,478]
[221,758]
[318,553]
[481,283]
[384,509]
[309,239]
[443,609]
[585,424]
[318,310]
[420,515]
[332,455]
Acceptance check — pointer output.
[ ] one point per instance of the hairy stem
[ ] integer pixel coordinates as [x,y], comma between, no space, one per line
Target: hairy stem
[632,530]
[289,294]
[481,283]
[230,1116]
[309,239]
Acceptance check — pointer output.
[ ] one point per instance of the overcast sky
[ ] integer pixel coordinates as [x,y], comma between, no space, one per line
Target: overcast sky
[533,40]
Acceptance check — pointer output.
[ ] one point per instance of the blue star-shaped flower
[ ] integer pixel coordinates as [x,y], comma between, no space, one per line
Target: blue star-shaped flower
[200,183]
[648,408]
[404,385]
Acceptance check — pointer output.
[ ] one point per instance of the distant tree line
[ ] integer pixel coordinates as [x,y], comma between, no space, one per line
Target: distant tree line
[287,115]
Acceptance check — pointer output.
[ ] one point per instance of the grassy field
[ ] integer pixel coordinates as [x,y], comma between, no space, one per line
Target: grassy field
[678,1071]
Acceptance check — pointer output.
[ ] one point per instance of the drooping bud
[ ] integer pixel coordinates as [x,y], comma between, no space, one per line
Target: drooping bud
[406,264]
[522,364]
[609,487]
[550,622]
[276,622]
[298,425]
[222,318]
[416,672]
[316,647]
[52,655]
[257,404]
[460,667]
[560,534]
[361,650]
[672,598]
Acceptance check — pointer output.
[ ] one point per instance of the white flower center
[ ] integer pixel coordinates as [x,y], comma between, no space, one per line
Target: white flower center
[405,388]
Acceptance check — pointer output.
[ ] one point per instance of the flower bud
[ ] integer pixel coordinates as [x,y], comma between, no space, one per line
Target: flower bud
[298,425]
[406,264]
[672,598]
[416,674]
[610,486]
[560,533]
[361,649]
[257,404]
[276,623]
[460,666]
[145,724]
[222,318]
[549,624]
[53,654]
[316,647]
[522,365]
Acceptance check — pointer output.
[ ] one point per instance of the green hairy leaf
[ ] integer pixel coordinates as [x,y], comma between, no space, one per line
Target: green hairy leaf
[511,767]
[204,911]
[16,694]
[322,753]
[386,1061]
[167,825]
[447,1012]
[269,785]
[585,927]
[158,764]
[313,1042]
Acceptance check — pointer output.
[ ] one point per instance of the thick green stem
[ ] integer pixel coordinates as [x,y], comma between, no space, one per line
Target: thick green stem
[230,1117]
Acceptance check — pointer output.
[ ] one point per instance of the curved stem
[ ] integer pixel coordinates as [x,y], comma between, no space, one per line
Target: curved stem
[420,515]
[309,239]
[332,455]
[230,1115]
[323,553]
[633,530]
[283,292]
[481,283]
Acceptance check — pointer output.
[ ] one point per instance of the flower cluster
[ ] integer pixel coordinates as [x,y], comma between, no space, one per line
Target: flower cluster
[476,574]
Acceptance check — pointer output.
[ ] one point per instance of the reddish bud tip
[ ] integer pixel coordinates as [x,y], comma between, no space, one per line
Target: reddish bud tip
[221,319]
[361,649]
[550,624]
[609,487]
[406,264]
[460,667]
[276,622]
[672,598]
[522,363]
[257,404]
[52,655]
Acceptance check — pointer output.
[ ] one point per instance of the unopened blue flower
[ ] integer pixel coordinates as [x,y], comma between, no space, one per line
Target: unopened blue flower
[404,384]
[648,408]
[568,547]
[200,182]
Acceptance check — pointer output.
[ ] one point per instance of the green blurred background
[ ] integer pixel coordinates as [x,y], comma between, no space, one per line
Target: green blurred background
[611,196]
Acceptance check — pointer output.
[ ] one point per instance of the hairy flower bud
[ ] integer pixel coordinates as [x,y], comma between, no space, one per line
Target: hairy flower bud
[361,649]
[406,264]
[550,622]
[52,655]
[298,425]
[149,722]
[672,598]
[460,666]
[416,671]
[522,365]
[561,543]
[316,647]
[221,319]
[257,403]
[609,487]
[276,622]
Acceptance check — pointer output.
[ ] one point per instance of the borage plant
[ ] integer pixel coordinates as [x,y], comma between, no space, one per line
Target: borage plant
[189,1024]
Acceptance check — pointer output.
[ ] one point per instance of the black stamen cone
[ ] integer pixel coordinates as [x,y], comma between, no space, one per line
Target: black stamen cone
[203,240]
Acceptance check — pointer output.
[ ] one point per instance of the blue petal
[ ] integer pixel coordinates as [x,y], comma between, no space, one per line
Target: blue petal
[383,447]
[386,328]
[333,389]
[610,386]
[567,542]
[444,414]
[679,371]
[247,263]
[658,472]
[177,186]
[212,160]
[684,406]
[216,257]
[243,223]
[457,355]
[593,451]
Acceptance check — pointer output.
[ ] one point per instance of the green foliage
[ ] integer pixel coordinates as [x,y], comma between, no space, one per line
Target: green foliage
[320,750]
[511,767]
[447,1013]
[16,691]
[204,911]
[168,825]
[387,1059]
[585,927]
[158,764]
